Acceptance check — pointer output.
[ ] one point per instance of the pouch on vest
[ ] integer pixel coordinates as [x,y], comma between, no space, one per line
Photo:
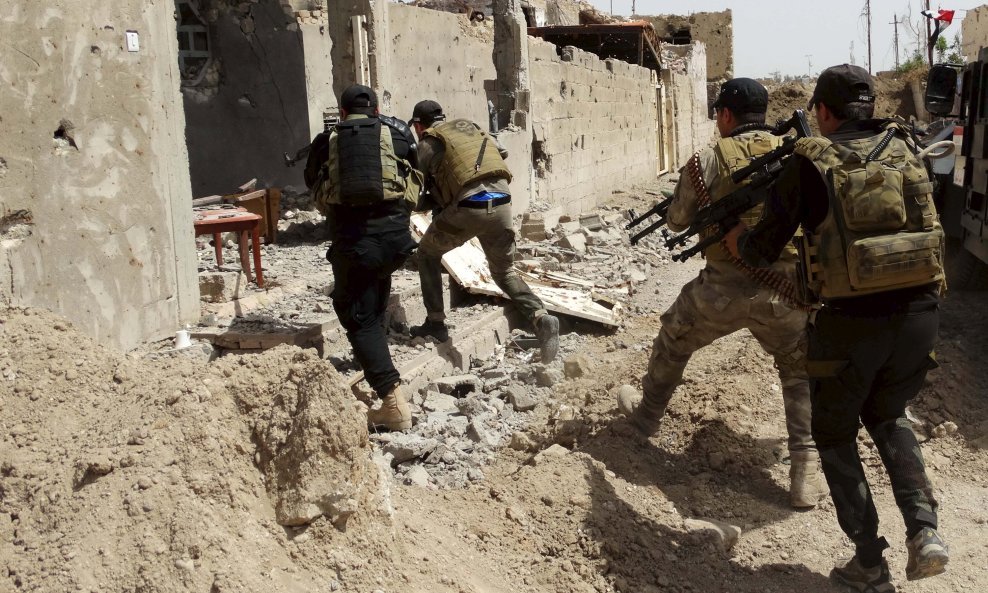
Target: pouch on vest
[360,164]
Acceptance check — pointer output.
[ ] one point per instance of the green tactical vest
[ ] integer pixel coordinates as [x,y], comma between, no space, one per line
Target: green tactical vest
[881,232]
[735,153]
[395,177]
[471,155]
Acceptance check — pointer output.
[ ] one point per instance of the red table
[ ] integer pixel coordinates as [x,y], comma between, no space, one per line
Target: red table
[233,220]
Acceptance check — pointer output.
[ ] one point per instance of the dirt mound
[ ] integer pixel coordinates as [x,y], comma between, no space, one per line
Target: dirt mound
[120,474]
[893,97]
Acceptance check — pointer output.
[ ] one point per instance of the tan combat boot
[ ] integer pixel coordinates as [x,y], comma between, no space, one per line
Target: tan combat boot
[394,413]
[807,485]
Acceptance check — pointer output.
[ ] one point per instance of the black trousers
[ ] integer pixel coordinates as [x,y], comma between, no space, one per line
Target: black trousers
[362,268]
[867,368]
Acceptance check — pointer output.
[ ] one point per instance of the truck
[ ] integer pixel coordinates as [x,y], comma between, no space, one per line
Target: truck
[959,95]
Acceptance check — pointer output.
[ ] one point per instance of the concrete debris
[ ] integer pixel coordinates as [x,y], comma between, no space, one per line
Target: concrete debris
[724,534]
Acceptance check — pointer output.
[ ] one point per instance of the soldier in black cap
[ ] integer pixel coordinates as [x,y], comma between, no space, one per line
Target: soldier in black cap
[467,177]
[725,299]
[362,178]
[871,253]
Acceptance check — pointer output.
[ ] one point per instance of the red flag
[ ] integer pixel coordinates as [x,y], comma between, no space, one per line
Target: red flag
[946,16]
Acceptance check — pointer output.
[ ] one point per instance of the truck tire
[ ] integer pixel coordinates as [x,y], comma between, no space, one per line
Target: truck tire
[964,270]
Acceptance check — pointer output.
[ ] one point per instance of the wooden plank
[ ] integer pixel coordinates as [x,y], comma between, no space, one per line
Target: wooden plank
[467,264]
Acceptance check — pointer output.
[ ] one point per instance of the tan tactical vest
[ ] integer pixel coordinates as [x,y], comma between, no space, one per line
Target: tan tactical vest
[733,154]
[471,155]
[399,179]
[881,232]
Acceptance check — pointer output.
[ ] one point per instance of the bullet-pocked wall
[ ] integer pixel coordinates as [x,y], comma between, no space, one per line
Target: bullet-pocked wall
[441,56]
[974,32]
[95,207]
[244,85]
[594,125]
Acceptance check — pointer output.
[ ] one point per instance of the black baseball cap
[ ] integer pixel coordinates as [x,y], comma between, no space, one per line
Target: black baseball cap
[839,85]
[357,96]
[742,95]
[427,110]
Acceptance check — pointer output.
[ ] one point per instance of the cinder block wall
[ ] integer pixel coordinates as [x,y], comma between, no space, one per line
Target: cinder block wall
[95,207]
[974,32]
[593,123]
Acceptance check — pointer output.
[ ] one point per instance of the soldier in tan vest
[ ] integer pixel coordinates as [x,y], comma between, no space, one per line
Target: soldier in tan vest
[724,299]
[467,178]
[872,250]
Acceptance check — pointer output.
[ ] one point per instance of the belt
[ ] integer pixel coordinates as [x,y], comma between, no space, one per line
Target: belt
[484,204]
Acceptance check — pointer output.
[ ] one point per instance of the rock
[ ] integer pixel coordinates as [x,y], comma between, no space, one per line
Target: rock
[471,407]
[479,434]
[475,474]
[577,242]
[185,564]
[521,442]
[520,398]
[418,476]
[575,366]
[627,399]
[547,377]
[549,453]
[438,402]
[221,287]
[405,447]
[725,533]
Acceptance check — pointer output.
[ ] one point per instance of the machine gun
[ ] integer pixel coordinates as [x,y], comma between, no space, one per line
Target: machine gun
[660,209]
[719,217]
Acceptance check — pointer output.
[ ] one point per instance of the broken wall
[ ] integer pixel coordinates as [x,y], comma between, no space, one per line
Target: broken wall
[714,29]
[95,208]
[690,92]
[974,32]
[594,125]
[252,104]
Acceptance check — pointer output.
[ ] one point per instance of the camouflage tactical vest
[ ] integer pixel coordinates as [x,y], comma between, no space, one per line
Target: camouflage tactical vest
[471,155]
[881,232]
[362,169]
[733,154]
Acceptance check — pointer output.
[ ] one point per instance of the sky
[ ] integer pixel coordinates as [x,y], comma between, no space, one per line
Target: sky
[802,36]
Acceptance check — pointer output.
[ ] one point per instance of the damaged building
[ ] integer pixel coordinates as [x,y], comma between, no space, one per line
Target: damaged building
[117,117]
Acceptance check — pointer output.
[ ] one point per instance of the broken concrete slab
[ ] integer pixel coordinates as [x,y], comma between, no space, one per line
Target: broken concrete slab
[520,398]
[575,366]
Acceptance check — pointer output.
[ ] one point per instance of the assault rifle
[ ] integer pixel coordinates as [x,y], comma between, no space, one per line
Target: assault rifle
[328,121]
[719,217]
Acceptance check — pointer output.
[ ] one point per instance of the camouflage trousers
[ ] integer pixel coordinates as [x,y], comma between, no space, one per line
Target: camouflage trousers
[719,302]
[453,227]
[867,369]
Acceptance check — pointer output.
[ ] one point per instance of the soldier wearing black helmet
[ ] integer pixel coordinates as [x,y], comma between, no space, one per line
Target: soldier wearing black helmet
[468,178]
[871,255]
[362,178]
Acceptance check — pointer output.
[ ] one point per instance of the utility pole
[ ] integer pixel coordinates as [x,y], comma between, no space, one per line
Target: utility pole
[809,65]
[633,7]
[929,46]
[852,61]
[895,38]
[868,12]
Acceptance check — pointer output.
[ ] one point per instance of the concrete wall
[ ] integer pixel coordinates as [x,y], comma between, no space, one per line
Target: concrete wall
[594,125]
[714,29]
[255,107]
[441,56]
[974,32]
[95,224]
